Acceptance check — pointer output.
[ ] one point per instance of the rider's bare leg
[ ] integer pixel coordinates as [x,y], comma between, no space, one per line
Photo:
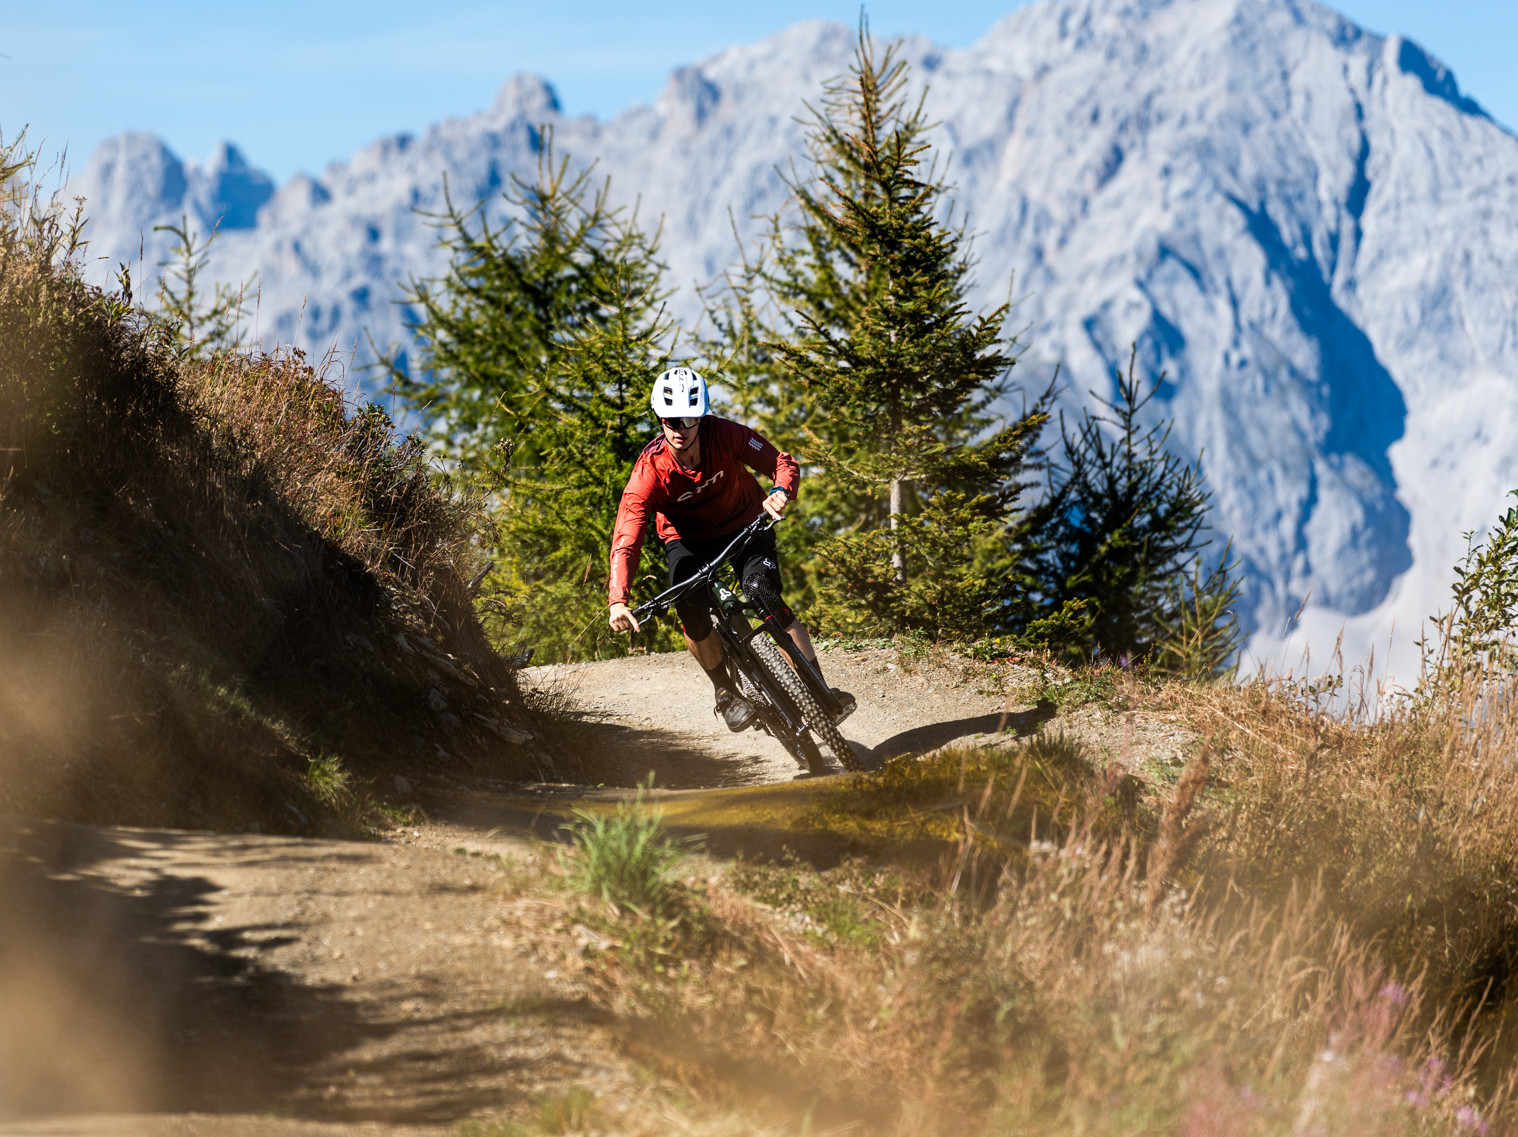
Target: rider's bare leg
[708,652]
[797,632]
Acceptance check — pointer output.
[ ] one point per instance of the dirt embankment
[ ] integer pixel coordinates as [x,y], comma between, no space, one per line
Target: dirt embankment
[167,982]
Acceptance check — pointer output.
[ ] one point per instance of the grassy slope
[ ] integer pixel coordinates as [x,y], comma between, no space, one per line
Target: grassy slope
[1308,930]
[224,593]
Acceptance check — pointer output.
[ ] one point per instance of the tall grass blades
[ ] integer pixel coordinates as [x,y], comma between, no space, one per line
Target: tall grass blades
[625,856]
[1309,932]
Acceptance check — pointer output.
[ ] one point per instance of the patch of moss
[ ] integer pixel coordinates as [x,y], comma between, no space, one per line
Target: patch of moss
[999,796]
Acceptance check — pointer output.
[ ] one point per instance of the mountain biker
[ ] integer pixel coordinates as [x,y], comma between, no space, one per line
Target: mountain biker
[696,479]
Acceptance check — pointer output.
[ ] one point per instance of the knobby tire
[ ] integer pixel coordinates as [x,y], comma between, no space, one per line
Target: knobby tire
[768,656]
[757,688]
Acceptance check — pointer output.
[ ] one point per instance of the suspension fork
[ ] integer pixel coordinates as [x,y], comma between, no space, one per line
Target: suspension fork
[808,670]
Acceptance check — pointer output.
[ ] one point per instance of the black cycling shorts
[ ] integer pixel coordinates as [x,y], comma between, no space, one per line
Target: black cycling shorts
[757,567]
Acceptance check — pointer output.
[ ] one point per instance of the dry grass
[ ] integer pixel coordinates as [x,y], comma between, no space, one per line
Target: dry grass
[212,571]
[1407,821]
[1309,930]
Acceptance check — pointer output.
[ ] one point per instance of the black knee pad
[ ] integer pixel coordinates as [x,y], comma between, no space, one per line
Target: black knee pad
[762,582]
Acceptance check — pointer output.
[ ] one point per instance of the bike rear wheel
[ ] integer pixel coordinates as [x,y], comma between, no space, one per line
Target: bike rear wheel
[817,720]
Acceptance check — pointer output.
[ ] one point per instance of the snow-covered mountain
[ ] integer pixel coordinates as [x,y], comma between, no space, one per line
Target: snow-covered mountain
[1308,228]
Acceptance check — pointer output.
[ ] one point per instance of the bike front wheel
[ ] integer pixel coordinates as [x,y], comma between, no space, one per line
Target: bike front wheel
[816,719]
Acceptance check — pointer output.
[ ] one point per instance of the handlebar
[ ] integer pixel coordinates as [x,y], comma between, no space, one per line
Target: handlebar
[667,599]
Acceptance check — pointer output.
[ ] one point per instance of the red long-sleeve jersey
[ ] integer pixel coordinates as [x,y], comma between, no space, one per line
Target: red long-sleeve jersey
[719,496]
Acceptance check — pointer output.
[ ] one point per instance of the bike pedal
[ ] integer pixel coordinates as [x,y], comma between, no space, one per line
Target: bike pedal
[845,702]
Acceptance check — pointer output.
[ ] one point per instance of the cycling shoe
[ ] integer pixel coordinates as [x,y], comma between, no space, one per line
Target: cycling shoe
[735,710]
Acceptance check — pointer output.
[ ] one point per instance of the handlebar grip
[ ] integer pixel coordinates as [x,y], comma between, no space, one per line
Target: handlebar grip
[646,611]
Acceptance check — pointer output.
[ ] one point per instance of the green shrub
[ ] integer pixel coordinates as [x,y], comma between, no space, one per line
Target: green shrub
[625,856]
[1479,636]
[327,781]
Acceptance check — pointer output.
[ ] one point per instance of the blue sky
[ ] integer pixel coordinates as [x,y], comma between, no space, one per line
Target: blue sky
[297,85]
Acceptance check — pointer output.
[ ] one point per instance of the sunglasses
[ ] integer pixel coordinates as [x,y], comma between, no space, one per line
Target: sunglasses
[679,423]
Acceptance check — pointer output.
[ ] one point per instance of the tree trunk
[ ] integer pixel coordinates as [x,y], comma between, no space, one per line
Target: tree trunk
[898,562]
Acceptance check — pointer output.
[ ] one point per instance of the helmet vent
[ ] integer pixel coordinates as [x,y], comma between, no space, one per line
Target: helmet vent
[680,391]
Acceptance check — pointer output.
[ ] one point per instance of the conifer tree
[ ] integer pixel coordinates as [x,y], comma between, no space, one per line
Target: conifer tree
[197,322]
[561,506]
[751,384]
[535,353]
[489,331]
[1118,541]
[878,333]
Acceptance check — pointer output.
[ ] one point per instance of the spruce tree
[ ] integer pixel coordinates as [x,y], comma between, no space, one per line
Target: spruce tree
[197,323]
[561,506]
[752,385]
[920,482]
[1116,547]
[534,356]
[496,324]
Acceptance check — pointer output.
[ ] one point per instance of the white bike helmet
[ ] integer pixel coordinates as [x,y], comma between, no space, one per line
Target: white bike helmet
[679,393]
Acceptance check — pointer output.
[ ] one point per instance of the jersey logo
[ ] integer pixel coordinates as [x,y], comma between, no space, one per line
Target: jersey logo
[756,444]
[703,487]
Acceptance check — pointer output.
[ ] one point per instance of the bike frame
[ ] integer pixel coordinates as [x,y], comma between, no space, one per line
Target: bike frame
[734,642]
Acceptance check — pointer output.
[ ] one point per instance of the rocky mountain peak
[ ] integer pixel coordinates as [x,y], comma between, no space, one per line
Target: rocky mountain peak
[1302,226]
[525,97]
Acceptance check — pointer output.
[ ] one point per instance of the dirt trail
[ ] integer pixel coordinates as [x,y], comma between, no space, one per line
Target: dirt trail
[654,713]
[222,985]
[162,973]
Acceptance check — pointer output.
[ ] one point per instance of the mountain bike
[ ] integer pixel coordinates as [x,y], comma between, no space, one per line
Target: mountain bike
[794,704]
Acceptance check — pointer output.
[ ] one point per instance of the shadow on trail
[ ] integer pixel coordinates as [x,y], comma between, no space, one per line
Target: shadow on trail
[599,753]
[108,1004]
[596,752]
[718,800]
[727,817]
[422,1084]
[121,993]
[933,735]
